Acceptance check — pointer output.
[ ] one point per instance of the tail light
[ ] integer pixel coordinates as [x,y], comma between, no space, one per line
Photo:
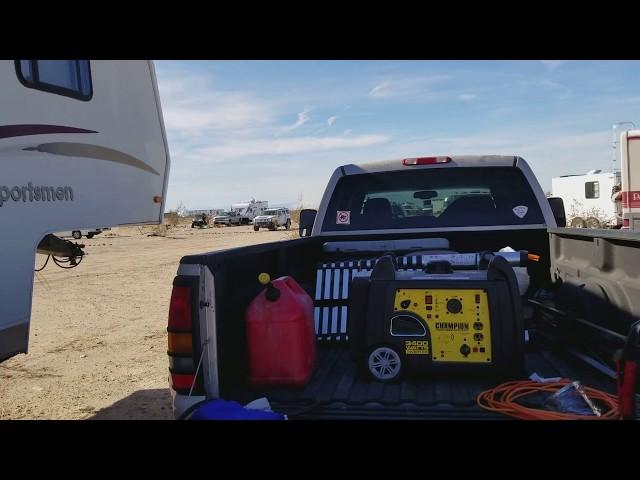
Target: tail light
[425,161]
[181,342]
[180,309]
[625,223]
[182,381]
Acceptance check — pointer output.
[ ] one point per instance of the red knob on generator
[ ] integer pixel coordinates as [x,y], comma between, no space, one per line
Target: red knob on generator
[280,334]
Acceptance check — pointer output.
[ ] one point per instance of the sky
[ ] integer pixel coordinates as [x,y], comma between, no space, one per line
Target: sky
[276,130]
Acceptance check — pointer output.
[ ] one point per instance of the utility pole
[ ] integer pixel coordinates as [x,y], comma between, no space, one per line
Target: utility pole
[615,138]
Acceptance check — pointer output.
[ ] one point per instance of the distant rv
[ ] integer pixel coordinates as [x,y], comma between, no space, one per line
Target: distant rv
[588,199]
[249,210]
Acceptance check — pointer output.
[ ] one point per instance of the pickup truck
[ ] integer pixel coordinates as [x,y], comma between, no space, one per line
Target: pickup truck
[228,218]
[579,300]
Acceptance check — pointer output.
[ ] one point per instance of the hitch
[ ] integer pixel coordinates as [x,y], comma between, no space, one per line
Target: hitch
[52,245]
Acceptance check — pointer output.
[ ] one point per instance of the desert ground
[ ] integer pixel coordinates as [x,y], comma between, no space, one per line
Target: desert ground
[98,335]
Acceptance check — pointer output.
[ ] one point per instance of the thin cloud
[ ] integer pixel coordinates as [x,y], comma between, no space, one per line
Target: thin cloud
[188,111]
[303,117]
[550,84]
[223,113]
[553,64]
[286,146]
[381,90]
[467,97]
[407,87]
[331,120]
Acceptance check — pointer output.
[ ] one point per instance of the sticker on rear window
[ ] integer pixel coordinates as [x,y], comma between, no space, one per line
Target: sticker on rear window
[520,211]
[343,217]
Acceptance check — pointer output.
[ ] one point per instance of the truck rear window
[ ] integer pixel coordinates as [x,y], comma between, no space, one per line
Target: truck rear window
[432,198]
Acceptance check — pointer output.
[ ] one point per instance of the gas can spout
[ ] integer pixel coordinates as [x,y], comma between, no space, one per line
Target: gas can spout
[272,294]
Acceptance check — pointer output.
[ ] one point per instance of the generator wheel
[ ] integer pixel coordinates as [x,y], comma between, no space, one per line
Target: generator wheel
[384,364]
[256,228]
[287,225]
[76,234]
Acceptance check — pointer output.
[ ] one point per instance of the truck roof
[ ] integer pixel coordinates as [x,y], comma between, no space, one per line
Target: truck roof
[456,161]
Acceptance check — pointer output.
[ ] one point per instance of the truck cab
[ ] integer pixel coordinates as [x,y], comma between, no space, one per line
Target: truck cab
[228,218]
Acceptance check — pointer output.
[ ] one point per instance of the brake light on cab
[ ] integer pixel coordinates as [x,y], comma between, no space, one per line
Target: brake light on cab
[425,161]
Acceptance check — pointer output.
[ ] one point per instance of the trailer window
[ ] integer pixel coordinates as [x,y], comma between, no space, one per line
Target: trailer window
[592,190]
[71,78]
[432,198]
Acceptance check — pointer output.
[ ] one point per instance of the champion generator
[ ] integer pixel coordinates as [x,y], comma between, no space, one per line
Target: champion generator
[438,319]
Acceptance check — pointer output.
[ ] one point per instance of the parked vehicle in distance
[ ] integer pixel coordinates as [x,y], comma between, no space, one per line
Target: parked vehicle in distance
[249,210]
[78,234]
[605,200]
[201,221]
[587,199]
[272,219]
[228,218]
[629,194]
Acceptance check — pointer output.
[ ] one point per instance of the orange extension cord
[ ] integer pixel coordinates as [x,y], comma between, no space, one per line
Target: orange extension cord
[503,399]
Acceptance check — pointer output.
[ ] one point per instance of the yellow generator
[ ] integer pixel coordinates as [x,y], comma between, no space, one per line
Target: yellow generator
[438,319]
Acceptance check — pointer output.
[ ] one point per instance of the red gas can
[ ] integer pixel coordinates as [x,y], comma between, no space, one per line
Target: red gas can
[280,334]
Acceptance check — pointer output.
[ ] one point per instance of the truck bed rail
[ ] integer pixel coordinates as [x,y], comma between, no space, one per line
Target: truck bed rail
[598,274]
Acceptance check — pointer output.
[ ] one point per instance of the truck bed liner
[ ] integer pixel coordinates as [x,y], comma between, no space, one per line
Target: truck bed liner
[340,389]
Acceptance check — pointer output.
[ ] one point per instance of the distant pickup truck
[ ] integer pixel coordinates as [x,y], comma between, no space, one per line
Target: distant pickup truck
[228,218]
[579,300]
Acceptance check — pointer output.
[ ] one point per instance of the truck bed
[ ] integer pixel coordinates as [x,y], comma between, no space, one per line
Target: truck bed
[339,389]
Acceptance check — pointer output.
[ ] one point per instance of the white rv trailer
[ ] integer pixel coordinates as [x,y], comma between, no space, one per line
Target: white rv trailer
[630,169]
[250,210]
[82,143]
[587,198]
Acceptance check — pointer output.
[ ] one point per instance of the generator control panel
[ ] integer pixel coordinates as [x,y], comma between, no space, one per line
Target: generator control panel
[458,320]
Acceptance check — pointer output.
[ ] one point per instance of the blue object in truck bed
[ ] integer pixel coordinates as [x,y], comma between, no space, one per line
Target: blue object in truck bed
[217,409]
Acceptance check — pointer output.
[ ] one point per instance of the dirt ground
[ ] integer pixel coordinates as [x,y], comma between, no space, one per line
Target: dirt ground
[98,332]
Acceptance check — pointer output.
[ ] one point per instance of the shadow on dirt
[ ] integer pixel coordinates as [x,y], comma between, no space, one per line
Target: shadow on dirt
[141,405]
